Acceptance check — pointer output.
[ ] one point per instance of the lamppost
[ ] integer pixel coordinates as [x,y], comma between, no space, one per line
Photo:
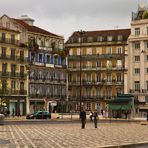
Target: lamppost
[81,34]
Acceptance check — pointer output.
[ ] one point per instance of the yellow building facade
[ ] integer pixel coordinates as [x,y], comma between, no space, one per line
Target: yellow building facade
[13,59]
[96,67]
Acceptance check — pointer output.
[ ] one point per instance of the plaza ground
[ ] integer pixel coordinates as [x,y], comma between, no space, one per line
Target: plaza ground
[70,135]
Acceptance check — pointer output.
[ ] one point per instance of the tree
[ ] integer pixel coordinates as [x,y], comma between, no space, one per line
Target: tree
[4,91]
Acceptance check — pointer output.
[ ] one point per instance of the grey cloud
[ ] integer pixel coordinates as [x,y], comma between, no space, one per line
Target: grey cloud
[65,16]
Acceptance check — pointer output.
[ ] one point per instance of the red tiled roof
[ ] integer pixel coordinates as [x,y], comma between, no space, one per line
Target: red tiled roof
[104,33]
[34,28]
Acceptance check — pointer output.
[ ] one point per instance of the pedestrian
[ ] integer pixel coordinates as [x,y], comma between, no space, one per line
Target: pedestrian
[8,113]
[91,116]
[83,118]
[13,113]
[95,115]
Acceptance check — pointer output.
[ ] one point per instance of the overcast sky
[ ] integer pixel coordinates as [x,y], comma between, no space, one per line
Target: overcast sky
[65,16]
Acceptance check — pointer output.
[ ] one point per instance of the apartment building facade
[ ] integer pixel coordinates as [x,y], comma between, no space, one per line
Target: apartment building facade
[137,80]
[97,59]
[13,75]
[46,67]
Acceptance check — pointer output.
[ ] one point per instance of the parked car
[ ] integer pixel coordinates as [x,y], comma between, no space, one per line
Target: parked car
[39,115]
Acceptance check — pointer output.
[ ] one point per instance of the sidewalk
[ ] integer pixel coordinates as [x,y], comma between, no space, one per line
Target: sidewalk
[66,117]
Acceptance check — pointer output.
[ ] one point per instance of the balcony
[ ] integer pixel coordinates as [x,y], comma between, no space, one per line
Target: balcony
[97,68]
[9,41]
[96,56]
[4,74]
[96,83]
[13,58]
[18,92]
[142,91]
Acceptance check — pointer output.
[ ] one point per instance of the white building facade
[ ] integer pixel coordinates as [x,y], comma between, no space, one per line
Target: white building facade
[137,60]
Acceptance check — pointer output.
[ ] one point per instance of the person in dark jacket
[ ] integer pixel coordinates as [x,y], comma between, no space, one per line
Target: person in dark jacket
[83,118]
[95,115]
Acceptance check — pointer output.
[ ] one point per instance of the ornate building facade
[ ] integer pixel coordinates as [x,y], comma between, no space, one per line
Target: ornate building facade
[46,65]
[96,67]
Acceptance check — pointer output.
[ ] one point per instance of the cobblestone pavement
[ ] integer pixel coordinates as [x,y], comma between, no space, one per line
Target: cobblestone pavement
[71,135]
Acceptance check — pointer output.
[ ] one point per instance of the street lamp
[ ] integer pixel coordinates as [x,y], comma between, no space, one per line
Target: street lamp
[81,34]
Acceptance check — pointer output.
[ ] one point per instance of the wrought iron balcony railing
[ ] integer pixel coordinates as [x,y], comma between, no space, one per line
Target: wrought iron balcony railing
[9,41]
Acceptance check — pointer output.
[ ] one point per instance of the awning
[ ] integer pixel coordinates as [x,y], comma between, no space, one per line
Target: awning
[120,107]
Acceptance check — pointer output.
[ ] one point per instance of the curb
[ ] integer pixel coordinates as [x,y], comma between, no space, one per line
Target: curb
[130,145]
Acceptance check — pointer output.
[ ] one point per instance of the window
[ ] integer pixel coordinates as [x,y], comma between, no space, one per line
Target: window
[137,70]
[108,64]
[21,55]
[147,57]
[89,64]
[89,51]
[99,63]
[3,37]
[48,59]
[4,84]
[89,106]
[70,52]
[3,52]
[90,39]
[78,64]
[78,51]
[99,38]
[119,77]
[69,77]
[108,92]
[40,58]
[137,58]
[12,38]
[137,31]
[99,50]
[13,85]
[12,53]
[98,78]
[89,77]
[4,68]
[109,38]
[120,37]
[147,85]
[109,78]
[13,69]
[108,50]
[137,45]
[119,50]
[21,87]
[22,71]
[146,70]
[137,85]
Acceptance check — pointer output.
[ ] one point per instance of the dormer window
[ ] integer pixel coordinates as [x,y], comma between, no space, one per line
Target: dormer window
[120,37]
[90,39]
[99,38]
[109,38]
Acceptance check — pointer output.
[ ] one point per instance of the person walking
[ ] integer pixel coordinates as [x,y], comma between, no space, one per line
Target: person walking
[83,118]
[13,113]
[91,116]
[95,115]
